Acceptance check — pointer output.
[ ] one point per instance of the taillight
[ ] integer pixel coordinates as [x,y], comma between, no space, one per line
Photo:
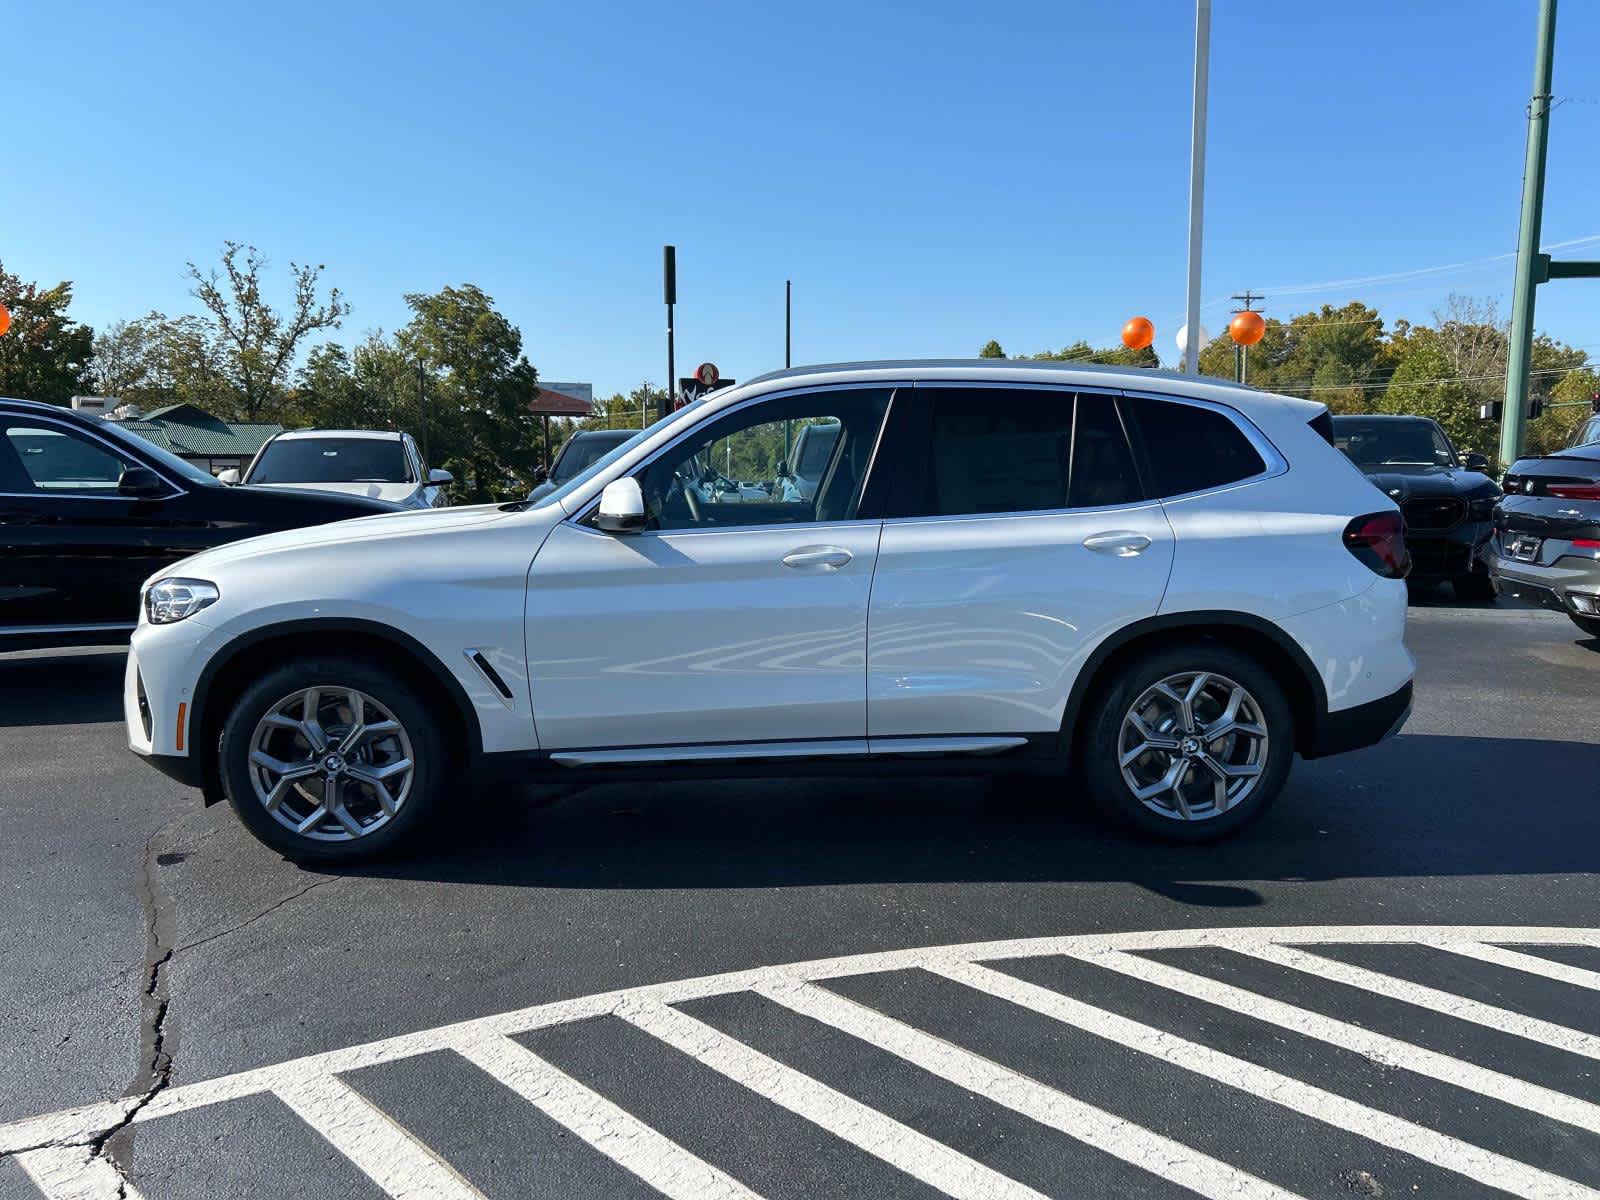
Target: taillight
[1379,541]
[1586,543]
[1574,491]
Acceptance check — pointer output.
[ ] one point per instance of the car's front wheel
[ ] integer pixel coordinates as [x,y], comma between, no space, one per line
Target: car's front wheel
[1473,589]
[1590,625]
[331,759]
[1188,742]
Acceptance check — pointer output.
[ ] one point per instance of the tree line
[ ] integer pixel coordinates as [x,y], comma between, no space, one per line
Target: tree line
[454,376]
[1348,359]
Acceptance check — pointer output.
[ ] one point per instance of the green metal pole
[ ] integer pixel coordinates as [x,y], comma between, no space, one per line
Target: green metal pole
[1521,350]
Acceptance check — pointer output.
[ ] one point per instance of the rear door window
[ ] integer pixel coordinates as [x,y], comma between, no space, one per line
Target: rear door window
[1189,448]
[981,451]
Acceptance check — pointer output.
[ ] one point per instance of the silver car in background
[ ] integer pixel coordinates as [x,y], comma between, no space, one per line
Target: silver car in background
[379,464]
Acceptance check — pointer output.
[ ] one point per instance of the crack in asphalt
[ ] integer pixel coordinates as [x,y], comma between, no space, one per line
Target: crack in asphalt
[251,920]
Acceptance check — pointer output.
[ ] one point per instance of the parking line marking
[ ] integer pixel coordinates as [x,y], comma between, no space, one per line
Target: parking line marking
[1449,1004]
[1120,1138]
[610,1129]
[388,1154]
[74,1173]
[1442,1150]
[1380,1048]
[1533,964]
[907,1149]
[57,1143]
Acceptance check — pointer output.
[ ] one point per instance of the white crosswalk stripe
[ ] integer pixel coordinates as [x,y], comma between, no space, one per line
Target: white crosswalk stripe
[62,1155]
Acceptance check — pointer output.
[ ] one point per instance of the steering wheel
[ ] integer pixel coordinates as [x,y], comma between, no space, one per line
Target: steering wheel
[691,497]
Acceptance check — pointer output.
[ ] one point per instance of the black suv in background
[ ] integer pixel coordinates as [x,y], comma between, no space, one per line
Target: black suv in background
[1446,499]
[88,511]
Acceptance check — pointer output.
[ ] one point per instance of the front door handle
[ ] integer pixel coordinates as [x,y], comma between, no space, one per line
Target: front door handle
[817,558]
[1122,543]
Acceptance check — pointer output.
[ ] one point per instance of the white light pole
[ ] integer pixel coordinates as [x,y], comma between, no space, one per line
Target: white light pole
[1197,182]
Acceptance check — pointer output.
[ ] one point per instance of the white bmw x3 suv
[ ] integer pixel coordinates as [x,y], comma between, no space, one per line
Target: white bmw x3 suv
[1159,588]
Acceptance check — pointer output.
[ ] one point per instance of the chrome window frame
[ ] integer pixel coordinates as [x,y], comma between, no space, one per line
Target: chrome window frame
[68,428]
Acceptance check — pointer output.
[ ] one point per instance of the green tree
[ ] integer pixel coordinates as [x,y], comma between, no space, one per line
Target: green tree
[1081,351]
[46,354]
[481,386]
[257,342]
[991,349]
[1424,385]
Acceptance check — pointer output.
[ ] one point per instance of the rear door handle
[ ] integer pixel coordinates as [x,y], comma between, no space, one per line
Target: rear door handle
[1122,543]
[817,558]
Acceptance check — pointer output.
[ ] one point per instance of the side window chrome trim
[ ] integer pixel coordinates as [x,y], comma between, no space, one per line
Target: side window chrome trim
[1276,463]
[116,451]
[586,510]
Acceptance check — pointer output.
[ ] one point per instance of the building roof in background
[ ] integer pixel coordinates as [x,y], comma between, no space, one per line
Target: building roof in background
[187,430]
[563,400]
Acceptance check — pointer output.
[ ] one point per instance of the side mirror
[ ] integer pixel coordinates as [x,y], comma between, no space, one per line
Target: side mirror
[439,477]
[140,482]
[783,468]
[229,476]
[1474,461]
[621,507]
[540,474]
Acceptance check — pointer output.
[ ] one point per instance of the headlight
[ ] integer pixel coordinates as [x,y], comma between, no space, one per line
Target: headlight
[1482,508]
[169,600]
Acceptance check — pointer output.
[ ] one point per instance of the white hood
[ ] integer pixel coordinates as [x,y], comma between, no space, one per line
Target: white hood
[395,493]
[358,531]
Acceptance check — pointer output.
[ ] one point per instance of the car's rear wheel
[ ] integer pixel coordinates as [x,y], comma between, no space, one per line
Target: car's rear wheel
[331,759]
[1590,625]
[1188,742]
[1473,589]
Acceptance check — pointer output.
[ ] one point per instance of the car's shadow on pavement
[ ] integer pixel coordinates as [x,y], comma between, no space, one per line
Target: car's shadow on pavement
[61,687]
[1415,806]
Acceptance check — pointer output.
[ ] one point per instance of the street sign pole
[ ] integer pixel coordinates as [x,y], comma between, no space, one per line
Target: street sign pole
[1528,256]
[1197,180]
[669,293]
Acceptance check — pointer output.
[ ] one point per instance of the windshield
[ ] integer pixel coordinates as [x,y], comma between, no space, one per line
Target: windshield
[164,459]
[1392,443]
[331,460]
[584,450]
[611,456]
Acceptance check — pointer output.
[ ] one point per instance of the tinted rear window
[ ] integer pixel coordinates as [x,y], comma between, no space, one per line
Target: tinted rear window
[994,450]
[1191,449]
[331,460]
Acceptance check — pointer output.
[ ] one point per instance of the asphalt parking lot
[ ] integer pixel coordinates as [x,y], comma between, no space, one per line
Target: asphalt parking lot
[947,988]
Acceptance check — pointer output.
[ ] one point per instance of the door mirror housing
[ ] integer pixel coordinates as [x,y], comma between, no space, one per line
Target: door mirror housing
[140,482]
[440,477]
[1473,461]
[229,476]
[621,507]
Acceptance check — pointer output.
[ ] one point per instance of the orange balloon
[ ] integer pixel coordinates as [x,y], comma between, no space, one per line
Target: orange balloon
[5,318]
[1247,328]
[1138,333]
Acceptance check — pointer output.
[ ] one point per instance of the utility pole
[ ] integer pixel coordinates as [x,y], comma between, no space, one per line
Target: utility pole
[1521,350]
[1197,181]
[788,313]
[669,293]
[1241,352]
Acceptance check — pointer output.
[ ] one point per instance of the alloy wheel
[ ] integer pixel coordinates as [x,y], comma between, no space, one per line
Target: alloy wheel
[331,763]
[1193,746]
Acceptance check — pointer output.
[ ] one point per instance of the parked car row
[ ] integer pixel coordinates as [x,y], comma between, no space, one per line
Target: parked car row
[89,511]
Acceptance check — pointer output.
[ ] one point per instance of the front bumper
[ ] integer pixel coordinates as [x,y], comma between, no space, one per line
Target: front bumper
[1448,554]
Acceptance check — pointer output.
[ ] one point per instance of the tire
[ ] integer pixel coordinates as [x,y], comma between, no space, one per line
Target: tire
[1109,734]
[1590,625]
[1473,589]
[385,696]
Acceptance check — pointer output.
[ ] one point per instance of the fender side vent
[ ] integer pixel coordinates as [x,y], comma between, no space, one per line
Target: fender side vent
[489,673]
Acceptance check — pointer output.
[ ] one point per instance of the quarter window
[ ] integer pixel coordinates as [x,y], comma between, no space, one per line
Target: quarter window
[1191,449]
[39,458]
[743,469]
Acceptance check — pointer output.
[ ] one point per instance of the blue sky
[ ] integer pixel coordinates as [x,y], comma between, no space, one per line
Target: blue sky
[931,175]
